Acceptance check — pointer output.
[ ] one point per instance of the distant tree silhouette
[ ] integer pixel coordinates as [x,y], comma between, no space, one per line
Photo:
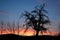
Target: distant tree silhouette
[9,26]
[2,23]
[13,26]
[18,27]
[59,28]
[37,19]
[59,25]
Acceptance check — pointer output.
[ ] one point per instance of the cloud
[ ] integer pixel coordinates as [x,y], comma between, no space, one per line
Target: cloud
[3,12]
[42,1]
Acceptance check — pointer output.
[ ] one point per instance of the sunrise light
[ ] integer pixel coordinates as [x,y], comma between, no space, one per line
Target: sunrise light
[29,32]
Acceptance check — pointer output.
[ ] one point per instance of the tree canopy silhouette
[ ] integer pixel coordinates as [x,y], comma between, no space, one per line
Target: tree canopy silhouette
[36,19]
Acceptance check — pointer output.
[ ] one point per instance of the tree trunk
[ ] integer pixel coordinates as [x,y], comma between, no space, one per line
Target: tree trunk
[37,33]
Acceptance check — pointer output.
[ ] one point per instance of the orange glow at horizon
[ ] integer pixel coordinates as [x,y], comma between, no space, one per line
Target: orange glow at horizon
[29,32]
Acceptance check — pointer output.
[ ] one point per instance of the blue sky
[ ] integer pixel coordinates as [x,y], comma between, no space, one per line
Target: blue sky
[11,9]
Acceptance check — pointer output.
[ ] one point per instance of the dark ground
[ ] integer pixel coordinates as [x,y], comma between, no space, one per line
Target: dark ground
[17,37]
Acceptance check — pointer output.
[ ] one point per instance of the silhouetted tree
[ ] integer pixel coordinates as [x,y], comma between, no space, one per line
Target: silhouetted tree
[59,28]
[2,23]
[9,26]
[37,19]
[13,26]
[59,25]
[18,27]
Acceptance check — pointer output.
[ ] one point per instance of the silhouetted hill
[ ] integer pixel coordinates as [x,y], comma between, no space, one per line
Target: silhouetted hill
[17,37]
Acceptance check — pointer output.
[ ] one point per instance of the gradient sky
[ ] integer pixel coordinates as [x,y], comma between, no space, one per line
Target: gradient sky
[10,10]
